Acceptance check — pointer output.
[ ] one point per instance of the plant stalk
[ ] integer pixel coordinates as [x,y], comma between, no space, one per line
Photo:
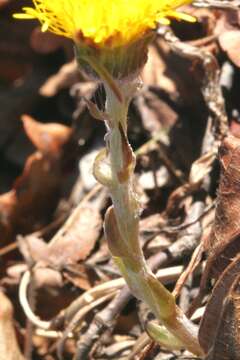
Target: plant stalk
[115,168]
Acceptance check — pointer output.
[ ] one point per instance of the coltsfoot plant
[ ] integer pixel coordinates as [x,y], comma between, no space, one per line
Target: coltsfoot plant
[111,39]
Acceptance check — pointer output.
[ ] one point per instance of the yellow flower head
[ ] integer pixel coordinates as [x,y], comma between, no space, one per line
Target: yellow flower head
[103,23]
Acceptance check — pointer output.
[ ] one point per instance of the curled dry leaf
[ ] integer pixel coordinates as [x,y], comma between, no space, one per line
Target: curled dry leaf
[223,242]
[30,200]
[77,238]
[9,349]
[48,138]
[35,192]
[73,243]
[219,330]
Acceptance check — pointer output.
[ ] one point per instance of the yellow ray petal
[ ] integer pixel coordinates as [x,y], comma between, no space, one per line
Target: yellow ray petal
[104,23]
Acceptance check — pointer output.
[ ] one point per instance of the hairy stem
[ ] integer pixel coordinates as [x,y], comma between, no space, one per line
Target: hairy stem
[115,169]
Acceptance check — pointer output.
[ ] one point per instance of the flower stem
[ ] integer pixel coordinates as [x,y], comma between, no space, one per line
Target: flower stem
[115,170]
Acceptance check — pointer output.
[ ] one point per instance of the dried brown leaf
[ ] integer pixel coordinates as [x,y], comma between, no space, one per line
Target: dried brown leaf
[74,241]
[48,138]
[77,239]
[38,184]
[223,242]
[35,192]
[32,198]
[219,330]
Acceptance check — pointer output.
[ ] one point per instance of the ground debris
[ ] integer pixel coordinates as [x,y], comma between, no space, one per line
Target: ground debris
[184,128]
